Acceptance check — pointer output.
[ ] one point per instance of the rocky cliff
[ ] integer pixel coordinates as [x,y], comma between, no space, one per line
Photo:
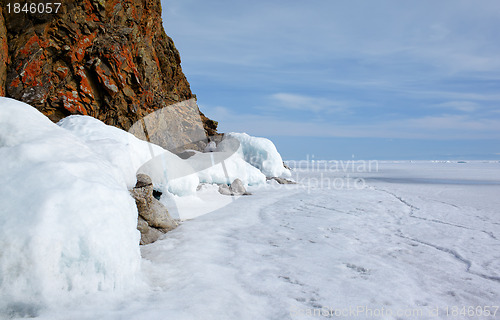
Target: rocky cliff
[109,59]
[3,53]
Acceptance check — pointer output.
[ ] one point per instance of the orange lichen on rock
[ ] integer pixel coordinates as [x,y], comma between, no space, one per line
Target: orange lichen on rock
[15,83]
[84,83]
[31,73]
[62,72]
[105,77]
[33,44]
[70,101]
[4,54]
[81,46]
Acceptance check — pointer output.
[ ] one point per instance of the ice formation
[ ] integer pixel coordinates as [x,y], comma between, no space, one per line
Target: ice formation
[67,221]
[259,152]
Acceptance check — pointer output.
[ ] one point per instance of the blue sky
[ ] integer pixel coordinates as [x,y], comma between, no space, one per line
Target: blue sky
[373,79]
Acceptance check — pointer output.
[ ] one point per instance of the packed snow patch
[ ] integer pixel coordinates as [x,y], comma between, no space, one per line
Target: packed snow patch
[67,221]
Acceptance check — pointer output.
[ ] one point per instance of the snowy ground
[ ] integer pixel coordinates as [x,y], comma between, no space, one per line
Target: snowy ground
[409,238]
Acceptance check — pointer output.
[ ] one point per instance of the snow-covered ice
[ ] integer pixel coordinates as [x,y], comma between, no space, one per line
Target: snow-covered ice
[414,237]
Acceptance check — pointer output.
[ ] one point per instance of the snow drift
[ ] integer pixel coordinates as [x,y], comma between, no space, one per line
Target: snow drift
[67,221]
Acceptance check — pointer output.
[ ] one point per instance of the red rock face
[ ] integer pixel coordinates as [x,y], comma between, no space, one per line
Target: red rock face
[109,59]
[3,54]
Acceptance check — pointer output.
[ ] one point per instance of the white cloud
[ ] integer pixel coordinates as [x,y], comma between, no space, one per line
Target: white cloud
[465,106]
[462,125]
[453,95]
[307,103]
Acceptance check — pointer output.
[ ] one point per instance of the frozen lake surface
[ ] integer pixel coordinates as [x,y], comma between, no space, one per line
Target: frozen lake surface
[399,241]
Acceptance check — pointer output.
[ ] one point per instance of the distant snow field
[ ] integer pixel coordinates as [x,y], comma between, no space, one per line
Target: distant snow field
[357,240]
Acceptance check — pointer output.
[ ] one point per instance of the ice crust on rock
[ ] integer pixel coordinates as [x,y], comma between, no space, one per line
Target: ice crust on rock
[235,189]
